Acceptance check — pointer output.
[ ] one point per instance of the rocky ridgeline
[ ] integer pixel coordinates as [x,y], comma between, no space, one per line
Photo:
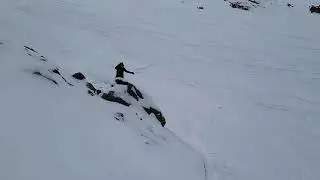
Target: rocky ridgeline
[126,95]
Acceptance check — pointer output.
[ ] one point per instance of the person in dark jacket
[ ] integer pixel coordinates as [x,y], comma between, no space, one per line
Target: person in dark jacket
[132,90]
[121,69]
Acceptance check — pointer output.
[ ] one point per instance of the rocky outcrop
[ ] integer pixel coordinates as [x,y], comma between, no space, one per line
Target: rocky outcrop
[157,113]
[110,96]
[79,76]
[38,73]
[248,5]
[289,5]
[120,91]
[240,5]
[134,92]
[314,9]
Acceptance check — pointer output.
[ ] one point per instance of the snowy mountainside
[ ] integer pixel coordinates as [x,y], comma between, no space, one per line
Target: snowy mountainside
[55,131]
[240,87]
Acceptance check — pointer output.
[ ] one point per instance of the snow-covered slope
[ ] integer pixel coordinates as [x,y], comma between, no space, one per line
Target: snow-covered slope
[50,131]
[241,87]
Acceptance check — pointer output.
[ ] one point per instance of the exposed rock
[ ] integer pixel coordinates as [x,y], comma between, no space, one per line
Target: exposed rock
[131,89]
[240,5]
[30,49]
[131,92]
[253,1]
[79,76]
[111,97]
[91,87]
[107,91]
[248,4]
[315,9]
[31,52]
[46,77]
[56,71]
[119,116]
[91,93]
[290,5]
[200,7]
[157,113]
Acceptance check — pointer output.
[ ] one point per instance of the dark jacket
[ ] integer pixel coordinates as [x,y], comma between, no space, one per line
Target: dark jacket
[121,69]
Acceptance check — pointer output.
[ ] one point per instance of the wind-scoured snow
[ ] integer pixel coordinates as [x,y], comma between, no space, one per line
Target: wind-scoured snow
[240,87]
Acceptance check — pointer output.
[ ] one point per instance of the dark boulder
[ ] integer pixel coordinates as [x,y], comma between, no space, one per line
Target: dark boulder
[131,89]
[289,5]
[315,9]
[239,6]
[200,7]
[91,87]
[157,113]
[79,76]
[111,97]
[91,93]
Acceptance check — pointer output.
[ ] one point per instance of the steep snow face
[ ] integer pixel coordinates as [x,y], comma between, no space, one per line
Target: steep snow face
[55,131]
[242,87]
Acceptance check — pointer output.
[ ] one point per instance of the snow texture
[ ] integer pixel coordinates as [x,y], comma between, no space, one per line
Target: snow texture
[240,88]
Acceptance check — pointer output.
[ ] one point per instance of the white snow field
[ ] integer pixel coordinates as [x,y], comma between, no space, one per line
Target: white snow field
[240,91]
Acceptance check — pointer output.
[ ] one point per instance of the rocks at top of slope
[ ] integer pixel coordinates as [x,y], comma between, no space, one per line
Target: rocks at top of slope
[240,5]
[249,4]
[314,8]
[121,92]
[289,5]
[245,4]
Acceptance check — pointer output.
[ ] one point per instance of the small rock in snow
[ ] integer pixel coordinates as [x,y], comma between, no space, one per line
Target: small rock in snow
[79,76]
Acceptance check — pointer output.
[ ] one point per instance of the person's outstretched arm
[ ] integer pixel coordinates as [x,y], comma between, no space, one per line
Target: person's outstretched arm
[128,71]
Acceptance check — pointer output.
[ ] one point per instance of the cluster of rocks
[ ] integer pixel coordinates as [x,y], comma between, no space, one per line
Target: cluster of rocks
[249,4]
[124,97]
[289,5]
[112,97]
[244,4]
[315,9]
[240,5]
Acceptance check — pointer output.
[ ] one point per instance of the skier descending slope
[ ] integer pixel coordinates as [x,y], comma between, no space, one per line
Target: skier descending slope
[132,90]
